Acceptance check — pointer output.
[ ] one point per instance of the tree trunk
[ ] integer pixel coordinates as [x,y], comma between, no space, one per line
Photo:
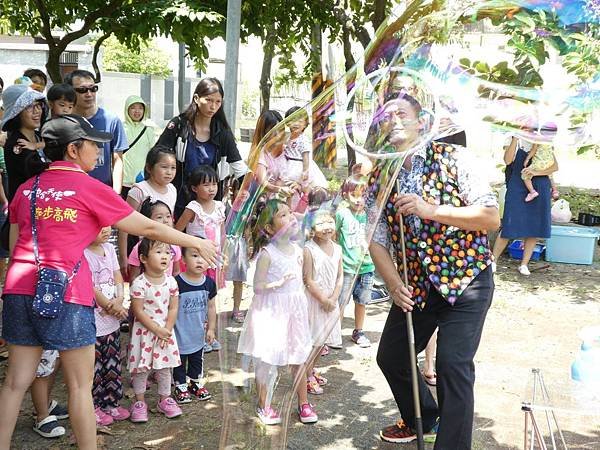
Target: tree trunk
[379,11]
[348,56]
[265,74]
[53,63]
[97,45]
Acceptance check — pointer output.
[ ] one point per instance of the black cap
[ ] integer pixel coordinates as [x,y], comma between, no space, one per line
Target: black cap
[70,127]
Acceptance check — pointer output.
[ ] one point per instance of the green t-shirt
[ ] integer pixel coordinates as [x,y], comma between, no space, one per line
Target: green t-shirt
[352,231]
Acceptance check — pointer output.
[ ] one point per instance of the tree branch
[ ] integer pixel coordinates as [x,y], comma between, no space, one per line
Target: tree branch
[97,46]
[89,22]
[46,26]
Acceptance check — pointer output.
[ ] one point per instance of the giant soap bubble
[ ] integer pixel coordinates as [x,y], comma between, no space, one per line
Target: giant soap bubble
[525,68]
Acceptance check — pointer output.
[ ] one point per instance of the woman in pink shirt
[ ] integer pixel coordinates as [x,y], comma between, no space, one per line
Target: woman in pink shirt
[70,210]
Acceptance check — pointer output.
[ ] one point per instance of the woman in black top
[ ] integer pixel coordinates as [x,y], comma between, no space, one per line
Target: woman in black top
[201,136]
[22,118]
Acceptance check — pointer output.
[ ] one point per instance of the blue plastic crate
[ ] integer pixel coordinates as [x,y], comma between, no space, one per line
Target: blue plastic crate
[515,250]
[571,244]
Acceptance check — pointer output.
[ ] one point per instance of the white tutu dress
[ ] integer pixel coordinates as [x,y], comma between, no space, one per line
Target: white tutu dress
[276,330]
[325,271]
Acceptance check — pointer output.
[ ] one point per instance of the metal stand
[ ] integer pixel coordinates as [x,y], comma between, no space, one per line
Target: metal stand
[414,371]
[528,408]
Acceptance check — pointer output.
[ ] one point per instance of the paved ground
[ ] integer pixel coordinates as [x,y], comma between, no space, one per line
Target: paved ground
[533,323]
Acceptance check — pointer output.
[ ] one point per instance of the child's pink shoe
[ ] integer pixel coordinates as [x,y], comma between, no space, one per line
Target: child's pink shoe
[531,196]
[102,419]
[268,415]
[119,413]
[139,412]
[307,413]
[169,408]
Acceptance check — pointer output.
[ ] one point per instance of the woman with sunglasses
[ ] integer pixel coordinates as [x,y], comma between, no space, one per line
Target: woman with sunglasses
[201,136]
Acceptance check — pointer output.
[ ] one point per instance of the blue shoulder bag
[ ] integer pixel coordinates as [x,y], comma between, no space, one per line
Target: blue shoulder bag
[52,283]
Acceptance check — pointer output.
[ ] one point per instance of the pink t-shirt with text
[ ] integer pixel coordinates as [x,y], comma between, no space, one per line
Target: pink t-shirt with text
[71,208]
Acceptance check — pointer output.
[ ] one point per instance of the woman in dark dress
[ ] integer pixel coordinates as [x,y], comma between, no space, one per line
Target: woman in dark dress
[529,221]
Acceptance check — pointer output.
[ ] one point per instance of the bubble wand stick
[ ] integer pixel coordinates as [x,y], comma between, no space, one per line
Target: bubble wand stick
[411,342]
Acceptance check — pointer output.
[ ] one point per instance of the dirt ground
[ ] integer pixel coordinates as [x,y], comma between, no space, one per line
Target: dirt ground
[533,323]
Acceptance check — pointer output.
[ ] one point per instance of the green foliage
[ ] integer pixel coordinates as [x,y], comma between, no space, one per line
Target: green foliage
[250,102]
[581,200]
[132,22]
[148,59]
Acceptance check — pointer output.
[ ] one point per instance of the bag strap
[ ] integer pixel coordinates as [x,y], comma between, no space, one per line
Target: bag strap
[34,234]
[139,136]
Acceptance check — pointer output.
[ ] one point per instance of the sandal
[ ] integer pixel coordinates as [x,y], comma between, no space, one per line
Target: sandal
[431,380]
[312,387]
[49,428]
[324,350]
[319,378]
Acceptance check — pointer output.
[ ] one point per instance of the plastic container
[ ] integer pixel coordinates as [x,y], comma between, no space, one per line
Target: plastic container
[515,250]
[572,245]
[586,367]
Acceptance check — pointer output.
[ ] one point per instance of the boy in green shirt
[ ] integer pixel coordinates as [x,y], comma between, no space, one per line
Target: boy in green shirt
[351,224]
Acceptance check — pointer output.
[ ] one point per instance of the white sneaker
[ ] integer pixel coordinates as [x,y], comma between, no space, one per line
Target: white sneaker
[523,270]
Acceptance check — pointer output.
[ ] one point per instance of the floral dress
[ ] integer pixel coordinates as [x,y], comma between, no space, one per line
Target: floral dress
[145,352]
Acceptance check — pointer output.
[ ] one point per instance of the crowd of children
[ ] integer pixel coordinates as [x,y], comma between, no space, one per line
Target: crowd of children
[307,245]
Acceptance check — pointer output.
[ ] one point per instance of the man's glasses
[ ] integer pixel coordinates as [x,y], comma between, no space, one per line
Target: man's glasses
[86,89]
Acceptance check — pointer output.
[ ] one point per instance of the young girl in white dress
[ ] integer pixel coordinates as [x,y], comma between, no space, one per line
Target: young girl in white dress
[323,279]
[276,332]
[205,216]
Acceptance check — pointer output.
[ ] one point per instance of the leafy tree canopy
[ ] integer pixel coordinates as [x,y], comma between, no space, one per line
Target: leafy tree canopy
[149,59]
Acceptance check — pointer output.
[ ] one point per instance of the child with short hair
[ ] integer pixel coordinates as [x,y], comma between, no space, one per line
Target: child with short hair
[197,294]
[540,157]
[276,330]
[351,224]
[107,390]
[205,217]
[153,345]
[158,211]
[323,277]
[61,99]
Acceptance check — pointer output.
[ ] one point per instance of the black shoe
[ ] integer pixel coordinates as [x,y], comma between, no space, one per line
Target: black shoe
[57,410]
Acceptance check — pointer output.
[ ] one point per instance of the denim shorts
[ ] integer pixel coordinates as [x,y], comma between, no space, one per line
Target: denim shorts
[360,287]
[74,327]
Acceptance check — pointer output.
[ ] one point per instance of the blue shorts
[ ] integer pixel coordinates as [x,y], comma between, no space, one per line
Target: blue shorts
[74,327]
[360,287]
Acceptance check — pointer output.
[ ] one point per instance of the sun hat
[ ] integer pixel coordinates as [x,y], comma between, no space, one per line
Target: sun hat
[68,128]
[15,99]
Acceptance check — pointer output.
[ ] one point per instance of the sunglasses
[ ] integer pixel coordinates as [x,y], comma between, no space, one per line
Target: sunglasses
[85,89]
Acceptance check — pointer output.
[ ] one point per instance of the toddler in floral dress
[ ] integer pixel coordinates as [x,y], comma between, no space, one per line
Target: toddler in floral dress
[153,346]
